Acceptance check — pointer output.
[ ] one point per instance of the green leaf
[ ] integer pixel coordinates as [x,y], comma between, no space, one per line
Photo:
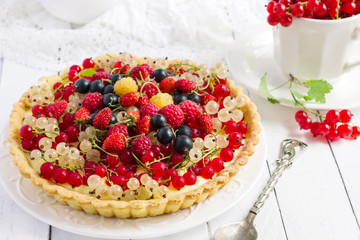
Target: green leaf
[263,89]
[317,90]
[89,72]
[298,94]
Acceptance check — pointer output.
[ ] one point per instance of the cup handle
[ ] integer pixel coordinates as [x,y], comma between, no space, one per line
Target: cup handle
[356,45]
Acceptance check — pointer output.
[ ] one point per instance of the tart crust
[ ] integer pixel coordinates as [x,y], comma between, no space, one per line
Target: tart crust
[134,208]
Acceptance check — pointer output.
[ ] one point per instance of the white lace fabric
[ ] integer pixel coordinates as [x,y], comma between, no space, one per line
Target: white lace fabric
[186,29]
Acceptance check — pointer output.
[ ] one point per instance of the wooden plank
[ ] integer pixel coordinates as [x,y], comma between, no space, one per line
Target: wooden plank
[14,222]
[311,194]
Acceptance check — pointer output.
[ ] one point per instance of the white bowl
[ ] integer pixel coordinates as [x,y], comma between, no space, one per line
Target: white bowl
[77,11]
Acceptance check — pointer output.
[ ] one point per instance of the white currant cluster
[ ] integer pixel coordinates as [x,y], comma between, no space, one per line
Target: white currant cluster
[230,110]
[39,94]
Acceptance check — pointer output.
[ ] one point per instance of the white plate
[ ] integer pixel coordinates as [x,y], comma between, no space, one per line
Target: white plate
[251,56]
[34,201]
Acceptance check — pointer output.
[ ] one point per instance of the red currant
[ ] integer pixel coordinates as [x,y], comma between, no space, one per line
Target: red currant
[286,20]
[121,170]
[68,120]
[333,134]
[273,20]
[344,130]
[148,156]
[226,154]
[305,123]
[38,110]
[324,129]
[28,144]
[313,5]
[126,156]
[73,76]
[156,150]
[62,137]
[299,115]
[332,116]
[204,162]
[47,170]
[345,116]
[177,158]
[217,164]
[88,63]
[61,175]
[75,68]
[111,160]
[242,127]
[279,9]
[75,179]
[26,132]
[178,182]
[195,169]
[195,132]
[207,172]
[100,171]
[235,139]
[190,178]
[129,175]
[159,168]
[349,7]
[322,11]
[315,129]
[73,131]
[355,131]
[222,91]
[270,7]
[166,150]
[171,173]
[298,10]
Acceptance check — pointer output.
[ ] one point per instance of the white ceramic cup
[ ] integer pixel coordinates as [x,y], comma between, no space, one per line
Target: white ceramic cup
[317,49]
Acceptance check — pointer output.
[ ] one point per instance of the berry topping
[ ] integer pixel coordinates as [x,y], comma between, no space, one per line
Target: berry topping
[140,145]
[185,85]
[102,119]
[161,99]
[114,143]
[129,99]
[125,85]
[82,114]
[93,101]
[139,72]
[173,114]
[205,123]
[191,111]
[118,128]
[159,74]
[149,109]
[143,126]
[57,109]
[167,85]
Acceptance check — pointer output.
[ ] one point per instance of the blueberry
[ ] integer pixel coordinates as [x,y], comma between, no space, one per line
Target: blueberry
[179,98]
[113,119]
[183,130]
[110,100]
[92,116]
[114,78]
[82,85]
[183,144]
[194,97]
[97,86]
[177,92]
[165,135]
[108,89]
[159,74]
[158,121]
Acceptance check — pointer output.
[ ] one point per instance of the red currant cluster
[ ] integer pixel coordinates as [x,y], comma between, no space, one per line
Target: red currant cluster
[282,11]
[335,126]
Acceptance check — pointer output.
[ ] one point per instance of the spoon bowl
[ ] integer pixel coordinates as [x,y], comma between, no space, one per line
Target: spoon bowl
[243,230]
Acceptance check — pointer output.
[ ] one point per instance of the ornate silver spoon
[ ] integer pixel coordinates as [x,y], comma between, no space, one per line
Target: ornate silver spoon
[245,230]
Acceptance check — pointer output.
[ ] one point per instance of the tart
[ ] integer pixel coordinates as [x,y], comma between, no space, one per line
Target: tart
[124,136]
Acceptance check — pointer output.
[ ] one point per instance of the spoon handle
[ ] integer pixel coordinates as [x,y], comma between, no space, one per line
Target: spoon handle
[289,149]
[270,186]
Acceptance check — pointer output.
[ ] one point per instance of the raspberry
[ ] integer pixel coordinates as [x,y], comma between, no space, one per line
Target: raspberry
[125,85]
[57,109]
[102,119]
[129,99]
[167,85]
[205,123]
[149,109]
[161,99]
[148,68]
[140,145]
[191,111]
[173,114]
[119,128]
[139,72]
[82,114]
[114,143]
[143,126]
[142,101]
[185,85]
[150,90]
[100,76]
[93,101]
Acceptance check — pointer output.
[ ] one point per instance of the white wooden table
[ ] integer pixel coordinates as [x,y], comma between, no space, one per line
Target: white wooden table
[318,198]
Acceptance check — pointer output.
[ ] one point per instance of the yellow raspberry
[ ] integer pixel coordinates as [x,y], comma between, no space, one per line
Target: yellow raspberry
[125,85]
[161,100]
